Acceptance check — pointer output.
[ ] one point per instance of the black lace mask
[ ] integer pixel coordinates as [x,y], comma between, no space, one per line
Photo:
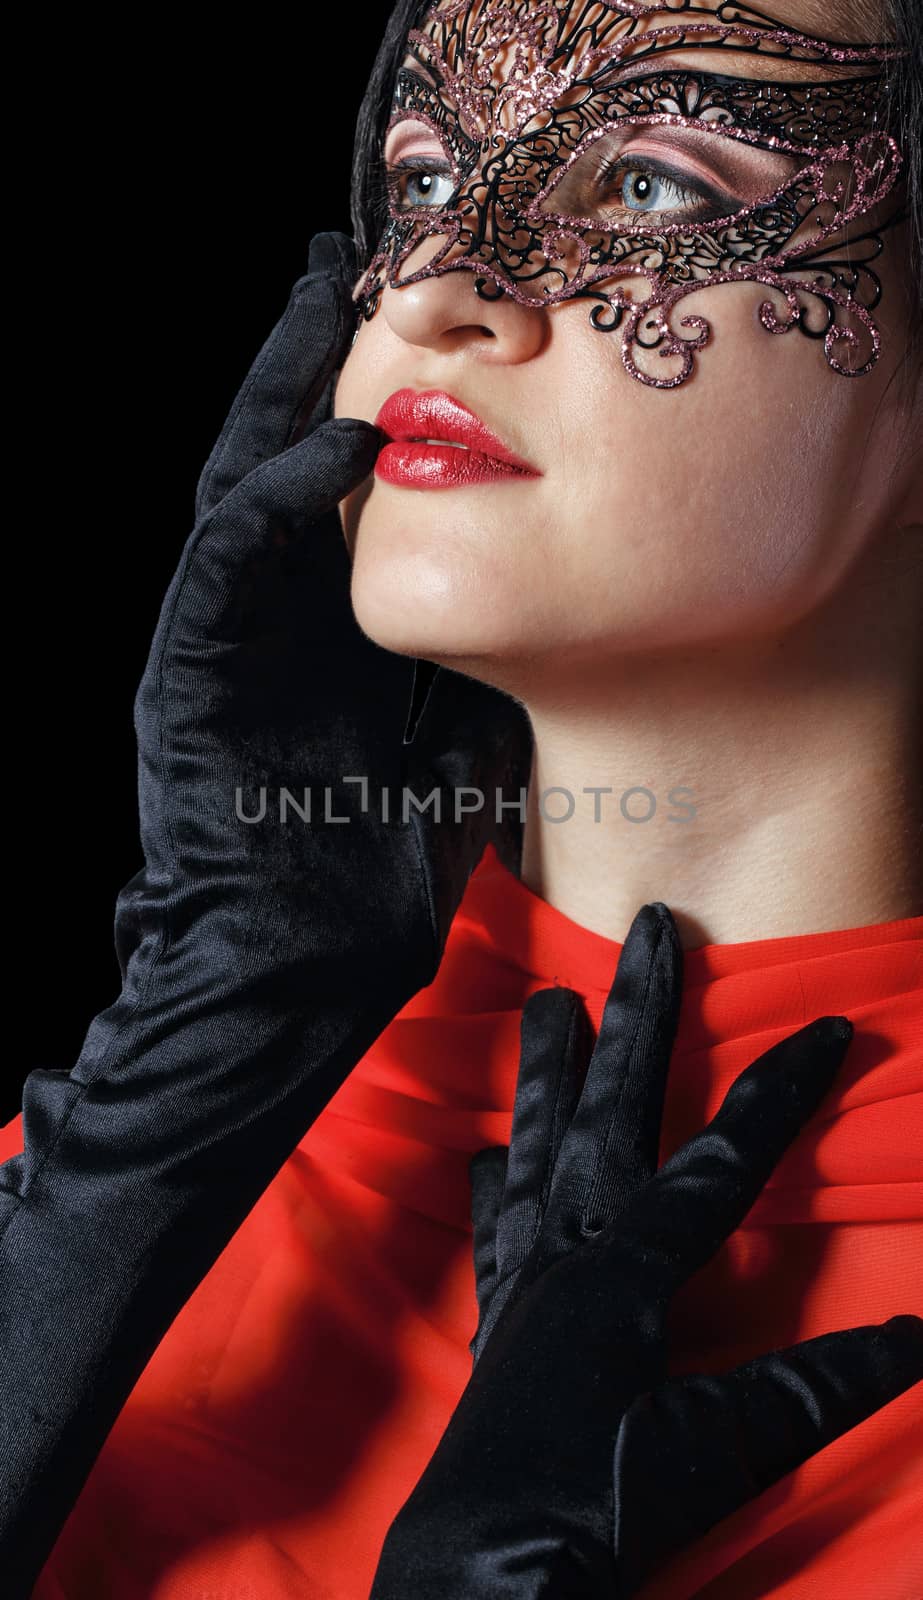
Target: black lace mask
[557,130]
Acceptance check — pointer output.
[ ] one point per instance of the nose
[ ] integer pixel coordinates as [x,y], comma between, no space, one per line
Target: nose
[445,313]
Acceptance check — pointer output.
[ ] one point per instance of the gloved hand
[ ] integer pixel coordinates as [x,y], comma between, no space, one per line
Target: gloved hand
[260,959]
[572,1464]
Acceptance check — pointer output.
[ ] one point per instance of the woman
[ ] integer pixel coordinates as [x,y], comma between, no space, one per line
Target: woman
[367,1276]
[778,506]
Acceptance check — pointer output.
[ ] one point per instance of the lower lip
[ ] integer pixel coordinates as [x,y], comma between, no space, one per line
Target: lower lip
[440,466]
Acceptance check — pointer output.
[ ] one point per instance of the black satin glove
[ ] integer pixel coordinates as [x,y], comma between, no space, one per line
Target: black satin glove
[572,1465]
[260,959]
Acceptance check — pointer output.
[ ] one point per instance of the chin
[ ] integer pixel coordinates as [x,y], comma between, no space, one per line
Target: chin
[402,612]
[413,590]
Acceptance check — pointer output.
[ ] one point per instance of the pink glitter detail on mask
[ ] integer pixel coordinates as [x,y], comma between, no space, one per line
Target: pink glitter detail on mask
[519,100]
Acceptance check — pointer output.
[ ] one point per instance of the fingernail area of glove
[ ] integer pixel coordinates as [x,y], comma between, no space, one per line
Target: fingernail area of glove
[362,441]
[332,253]
[813,1072]
[839,1030]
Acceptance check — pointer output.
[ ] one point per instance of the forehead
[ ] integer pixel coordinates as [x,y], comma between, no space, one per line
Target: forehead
[494,42]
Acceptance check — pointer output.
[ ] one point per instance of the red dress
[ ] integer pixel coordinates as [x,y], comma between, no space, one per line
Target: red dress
[297,1397]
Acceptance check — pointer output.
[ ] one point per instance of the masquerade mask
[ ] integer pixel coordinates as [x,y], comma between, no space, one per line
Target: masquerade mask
[568,159]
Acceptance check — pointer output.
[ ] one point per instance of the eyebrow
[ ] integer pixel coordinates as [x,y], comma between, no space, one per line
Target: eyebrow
[413,63]
[783,69]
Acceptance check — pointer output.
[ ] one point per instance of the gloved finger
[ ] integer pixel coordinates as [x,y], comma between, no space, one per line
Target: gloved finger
[488,1176]
[611,1146]
[290,372]
[705,1190]
[304,483]
[694,1449]
[335,254]
[275,504]
[214,583]
[555,1041]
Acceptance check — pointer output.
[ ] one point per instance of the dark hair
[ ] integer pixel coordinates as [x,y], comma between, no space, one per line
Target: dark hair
[906,93]
[368,201]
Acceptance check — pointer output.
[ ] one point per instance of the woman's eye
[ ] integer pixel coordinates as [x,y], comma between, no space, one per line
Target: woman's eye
[414,183]
[642,189]
[642,186]
[620,188]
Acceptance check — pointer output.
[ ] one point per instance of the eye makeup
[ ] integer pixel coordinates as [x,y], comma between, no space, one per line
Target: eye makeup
[535,163]
[715,179]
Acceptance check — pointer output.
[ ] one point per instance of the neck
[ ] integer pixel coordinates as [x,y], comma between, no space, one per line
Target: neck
[779,778]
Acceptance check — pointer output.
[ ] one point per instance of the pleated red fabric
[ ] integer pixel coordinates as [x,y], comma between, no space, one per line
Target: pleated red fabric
[298,1395]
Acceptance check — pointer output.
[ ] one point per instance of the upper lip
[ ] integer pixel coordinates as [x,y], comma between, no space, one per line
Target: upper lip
[433,414]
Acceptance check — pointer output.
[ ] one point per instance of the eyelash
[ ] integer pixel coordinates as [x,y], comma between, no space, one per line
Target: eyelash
[395,172]
[620,165]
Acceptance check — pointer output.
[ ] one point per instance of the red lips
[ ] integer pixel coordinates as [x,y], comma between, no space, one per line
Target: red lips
[411,416]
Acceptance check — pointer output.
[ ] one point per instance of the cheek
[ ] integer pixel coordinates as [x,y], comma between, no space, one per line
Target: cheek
[728,506]
[353,379]
[733,493]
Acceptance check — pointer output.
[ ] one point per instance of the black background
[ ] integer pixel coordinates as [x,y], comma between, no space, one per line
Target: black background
[161,200]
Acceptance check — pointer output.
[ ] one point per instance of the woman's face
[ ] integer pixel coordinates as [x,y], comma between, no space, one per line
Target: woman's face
[657,519]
